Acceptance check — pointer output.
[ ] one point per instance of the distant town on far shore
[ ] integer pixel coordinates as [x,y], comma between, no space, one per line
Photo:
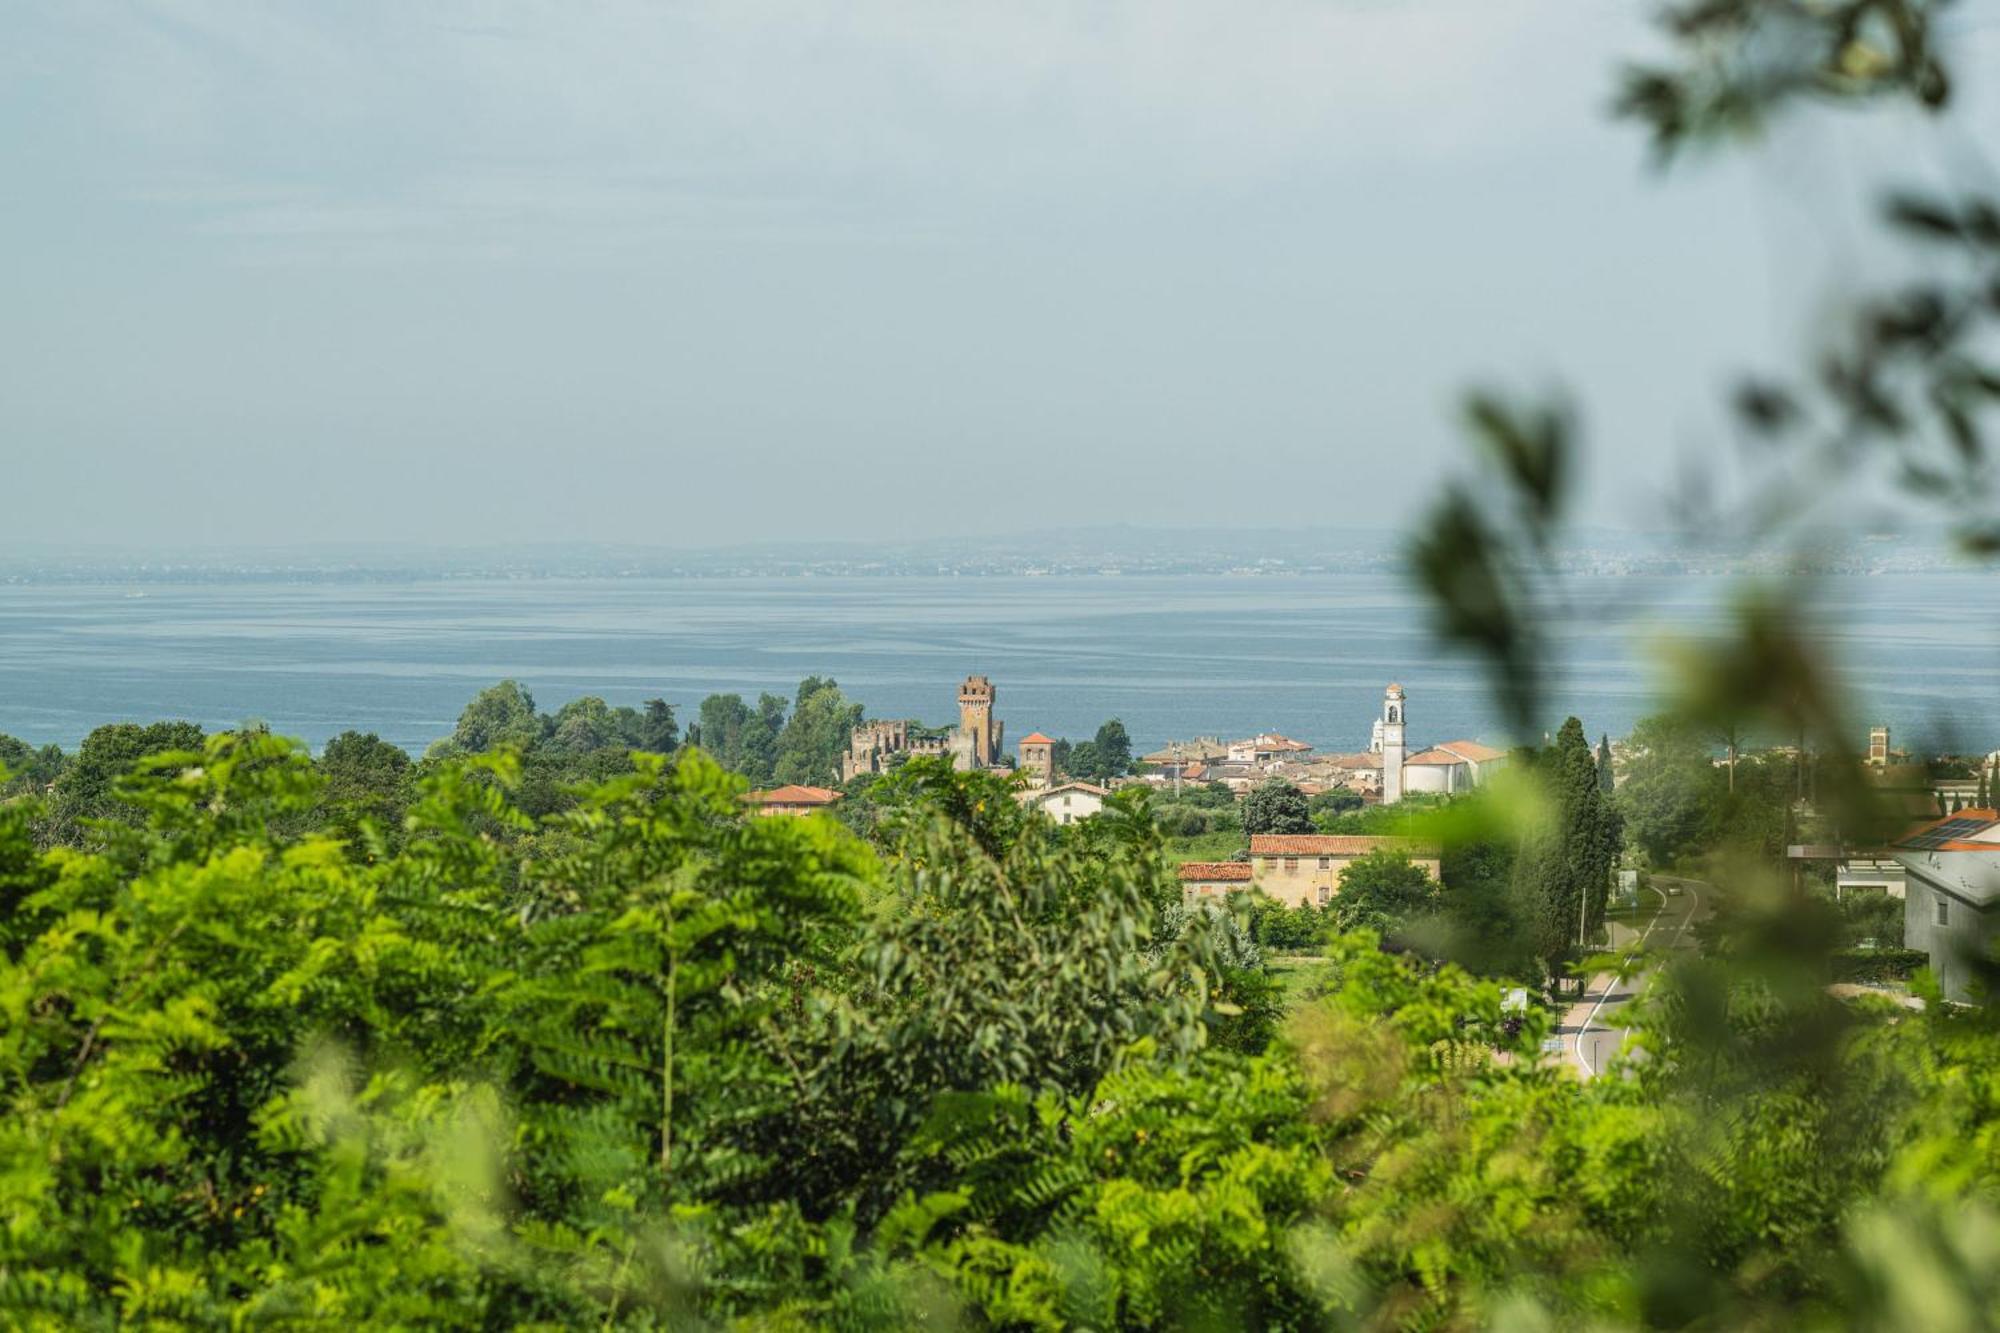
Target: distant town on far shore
[1108,551]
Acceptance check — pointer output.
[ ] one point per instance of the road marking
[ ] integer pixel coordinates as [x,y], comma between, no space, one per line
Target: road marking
[1584,1031]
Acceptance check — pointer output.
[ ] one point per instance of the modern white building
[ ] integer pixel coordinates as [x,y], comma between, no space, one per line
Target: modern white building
[1952,903]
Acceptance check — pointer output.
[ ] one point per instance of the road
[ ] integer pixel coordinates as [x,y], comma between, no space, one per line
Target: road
[1589,1032]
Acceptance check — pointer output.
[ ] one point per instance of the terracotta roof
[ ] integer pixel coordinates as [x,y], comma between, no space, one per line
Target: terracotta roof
[1474,751]
[1362,760]
[1322,844]
[1441,758]
[1238,871]
[794,795]
[1074,786]
[1036,738]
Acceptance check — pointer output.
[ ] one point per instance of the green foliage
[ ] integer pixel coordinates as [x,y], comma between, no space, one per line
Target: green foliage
[1283,929]
[1384,892]
[1562,876]
[814,738]
[1276,806]
[608,1053]
[1334,802]
[500,715]
[741,739]
[29,770]
[85,790]
[365,782]
[1669,787]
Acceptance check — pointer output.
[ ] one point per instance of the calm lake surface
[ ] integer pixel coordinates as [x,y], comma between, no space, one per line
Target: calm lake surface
[1173,657]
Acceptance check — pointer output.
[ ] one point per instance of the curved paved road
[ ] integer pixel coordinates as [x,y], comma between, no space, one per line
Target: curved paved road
[1589,1032]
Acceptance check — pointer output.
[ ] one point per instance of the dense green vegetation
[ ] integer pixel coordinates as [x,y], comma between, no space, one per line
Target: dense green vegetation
[1106,755]
[644,1062]
[541,1031]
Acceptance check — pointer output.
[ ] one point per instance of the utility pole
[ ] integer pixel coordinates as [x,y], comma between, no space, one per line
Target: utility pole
[1178,766]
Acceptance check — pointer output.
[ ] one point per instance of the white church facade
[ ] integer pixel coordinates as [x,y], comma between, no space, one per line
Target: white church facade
[1441,770]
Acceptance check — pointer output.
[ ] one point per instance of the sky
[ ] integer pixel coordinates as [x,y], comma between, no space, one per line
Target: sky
[730,271]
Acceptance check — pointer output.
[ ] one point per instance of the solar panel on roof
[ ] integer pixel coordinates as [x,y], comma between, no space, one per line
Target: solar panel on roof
[1949,831]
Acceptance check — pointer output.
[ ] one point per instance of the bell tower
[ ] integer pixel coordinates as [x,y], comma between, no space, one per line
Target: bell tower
[1393,720]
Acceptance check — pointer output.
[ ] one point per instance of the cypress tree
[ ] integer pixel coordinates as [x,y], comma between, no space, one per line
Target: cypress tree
[1564,872]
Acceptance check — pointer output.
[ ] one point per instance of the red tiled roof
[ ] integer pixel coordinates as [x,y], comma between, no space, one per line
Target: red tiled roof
[1036,738]
[1442,758]
[1235,871]
[1074,786]
[794,795]
[1322,844]
[1473,750]
[1361,760]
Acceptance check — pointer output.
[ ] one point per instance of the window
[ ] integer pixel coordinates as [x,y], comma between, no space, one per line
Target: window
[1291,865]
[1325,893]
[1326,863]
[1943,911]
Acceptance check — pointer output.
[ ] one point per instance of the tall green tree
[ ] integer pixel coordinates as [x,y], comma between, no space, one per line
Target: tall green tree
[1562,875]
[1385,892]
[816,735]
[363,779]
[654,729]
[87,787]
[29,768]
[583,725]
[1114,750]
[1670,787]
[498,715]
[1277,806]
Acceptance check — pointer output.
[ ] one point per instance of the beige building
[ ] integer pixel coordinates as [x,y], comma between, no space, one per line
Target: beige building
[792,800]
[1298,869]
[1266,748]
[1213,879]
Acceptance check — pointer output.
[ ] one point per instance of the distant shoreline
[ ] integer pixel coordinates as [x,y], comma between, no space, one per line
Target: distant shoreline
[171,575]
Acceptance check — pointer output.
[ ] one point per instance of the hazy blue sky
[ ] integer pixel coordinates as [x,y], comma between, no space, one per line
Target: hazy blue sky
[705,272]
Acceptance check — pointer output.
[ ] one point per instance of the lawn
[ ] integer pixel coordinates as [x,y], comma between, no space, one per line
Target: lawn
[1221,846]
[1295,971]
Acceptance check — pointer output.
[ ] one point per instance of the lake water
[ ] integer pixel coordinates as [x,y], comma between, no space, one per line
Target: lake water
[1172,657]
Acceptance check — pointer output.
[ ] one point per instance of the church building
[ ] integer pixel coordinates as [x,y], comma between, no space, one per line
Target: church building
[1441,770]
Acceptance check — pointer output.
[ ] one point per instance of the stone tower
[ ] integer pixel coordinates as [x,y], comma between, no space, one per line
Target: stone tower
[1393,720]
[1038,759]
[978,733]
[1878,746]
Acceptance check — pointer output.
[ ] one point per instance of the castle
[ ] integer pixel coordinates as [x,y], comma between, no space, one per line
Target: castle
[876,747]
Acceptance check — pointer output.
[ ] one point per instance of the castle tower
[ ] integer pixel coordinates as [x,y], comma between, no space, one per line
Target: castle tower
[1393,720]
[978,731]
[1878,746]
